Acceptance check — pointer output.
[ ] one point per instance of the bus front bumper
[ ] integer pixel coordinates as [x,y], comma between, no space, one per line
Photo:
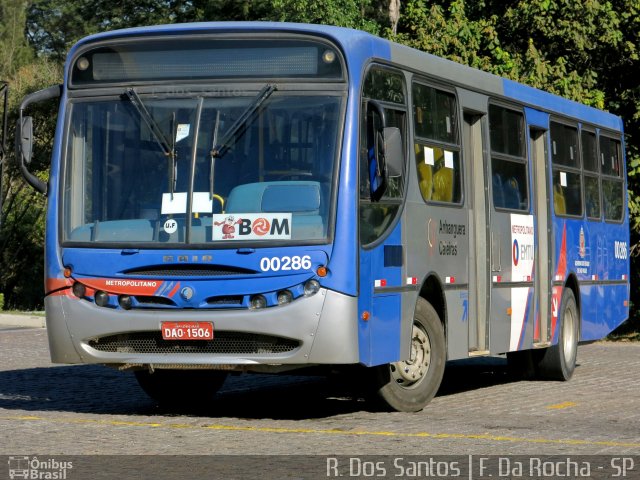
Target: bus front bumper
[321,329]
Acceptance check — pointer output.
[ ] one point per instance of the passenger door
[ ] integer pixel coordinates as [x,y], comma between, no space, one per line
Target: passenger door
[382,256]
[479,280]
[512,230]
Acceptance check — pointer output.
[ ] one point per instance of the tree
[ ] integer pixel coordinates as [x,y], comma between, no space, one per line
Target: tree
[14,50]
[53,26]
[586,50]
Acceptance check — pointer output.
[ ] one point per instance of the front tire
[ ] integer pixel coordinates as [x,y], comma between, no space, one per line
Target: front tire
[409,385]
[181,387]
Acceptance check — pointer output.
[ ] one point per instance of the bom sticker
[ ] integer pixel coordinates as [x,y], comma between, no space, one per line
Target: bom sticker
[261,226]
[251,226]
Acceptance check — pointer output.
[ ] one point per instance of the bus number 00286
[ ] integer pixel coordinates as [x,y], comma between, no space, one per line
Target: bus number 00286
[285,263]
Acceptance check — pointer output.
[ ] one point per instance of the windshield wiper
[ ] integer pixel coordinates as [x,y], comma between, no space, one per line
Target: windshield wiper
[220,149]
[214,143]
[169,149]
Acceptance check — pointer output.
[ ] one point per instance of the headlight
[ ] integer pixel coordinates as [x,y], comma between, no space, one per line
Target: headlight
[311,288]
[257,302]
[101,298]
[284,297]
[125,302]
[79,290]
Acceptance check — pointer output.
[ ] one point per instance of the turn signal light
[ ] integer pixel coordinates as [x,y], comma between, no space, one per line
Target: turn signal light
[322,271]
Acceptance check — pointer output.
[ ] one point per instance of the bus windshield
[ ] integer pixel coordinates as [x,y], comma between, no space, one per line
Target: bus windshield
[249,167]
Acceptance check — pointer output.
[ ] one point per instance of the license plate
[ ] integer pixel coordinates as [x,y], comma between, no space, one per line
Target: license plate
[187,330]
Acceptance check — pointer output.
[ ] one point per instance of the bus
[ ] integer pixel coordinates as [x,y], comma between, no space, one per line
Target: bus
[262,197]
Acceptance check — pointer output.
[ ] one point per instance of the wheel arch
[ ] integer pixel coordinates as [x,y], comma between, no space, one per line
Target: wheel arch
[433,293]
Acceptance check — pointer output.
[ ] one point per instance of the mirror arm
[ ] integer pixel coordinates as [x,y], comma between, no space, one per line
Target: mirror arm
[379,110]
[36,97]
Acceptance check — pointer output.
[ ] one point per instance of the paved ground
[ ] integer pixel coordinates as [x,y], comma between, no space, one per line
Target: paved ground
[93,409]
[57,409]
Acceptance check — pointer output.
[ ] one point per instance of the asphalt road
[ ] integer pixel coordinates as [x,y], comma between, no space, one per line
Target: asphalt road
[50,409]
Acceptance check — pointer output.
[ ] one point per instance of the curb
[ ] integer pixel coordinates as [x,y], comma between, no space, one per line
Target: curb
[17,320]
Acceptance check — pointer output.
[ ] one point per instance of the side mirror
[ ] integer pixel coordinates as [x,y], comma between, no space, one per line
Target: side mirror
[24,135]
[393,151]
[25,148]
[385,151]
[377,166]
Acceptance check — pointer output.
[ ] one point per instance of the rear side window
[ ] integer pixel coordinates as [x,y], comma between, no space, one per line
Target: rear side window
[612,181]
[591,177]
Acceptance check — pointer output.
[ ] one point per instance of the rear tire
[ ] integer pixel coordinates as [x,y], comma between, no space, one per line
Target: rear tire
[181,387]
[559,361]
[521,365]
[408,386]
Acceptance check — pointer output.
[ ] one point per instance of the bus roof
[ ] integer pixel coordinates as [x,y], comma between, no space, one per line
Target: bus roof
[359,46]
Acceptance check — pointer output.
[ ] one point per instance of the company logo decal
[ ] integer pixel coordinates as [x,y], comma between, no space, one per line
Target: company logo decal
[582,266]
[449,232]
[187,293]
[523,248]
[251,226]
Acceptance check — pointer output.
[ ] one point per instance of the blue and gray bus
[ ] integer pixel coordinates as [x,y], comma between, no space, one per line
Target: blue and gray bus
[261,197]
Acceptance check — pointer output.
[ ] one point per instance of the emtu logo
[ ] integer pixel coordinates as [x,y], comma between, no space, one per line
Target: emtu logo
[516,253]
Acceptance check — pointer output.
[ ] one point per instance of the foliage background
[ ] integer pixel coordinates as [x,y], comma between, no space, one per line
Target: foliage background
[585,50]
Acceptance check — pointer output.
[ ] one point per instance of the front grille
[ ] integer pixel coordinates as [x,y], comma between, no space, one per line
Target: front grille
[189,271]
[229,343]
[225,300]
[153,301]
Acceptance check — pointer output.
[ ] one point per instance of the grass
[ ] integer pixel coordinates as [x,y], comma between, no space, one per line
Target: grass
[629,331]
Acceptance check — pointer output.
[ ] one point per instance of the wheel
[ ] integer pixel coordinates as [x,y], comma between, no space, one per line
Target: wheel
[559,361]
[181,387]
[409,385]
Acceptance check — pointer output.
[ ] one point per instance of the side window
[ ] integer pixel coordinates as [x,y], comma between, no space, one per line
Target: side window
[612,181]
[508,159]
[567,182]
[385,86]
[436,145]
[591,179]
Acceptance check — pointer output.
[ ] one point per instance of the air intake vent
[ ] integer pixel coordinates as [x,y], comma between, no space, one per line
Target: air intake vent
[188,271]
[225,300]
[154,301]
[225,343]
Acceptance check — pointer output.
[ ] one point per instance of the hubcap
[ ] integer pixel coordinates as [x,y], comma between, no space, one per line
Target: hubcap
[568,335]
[409,372]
